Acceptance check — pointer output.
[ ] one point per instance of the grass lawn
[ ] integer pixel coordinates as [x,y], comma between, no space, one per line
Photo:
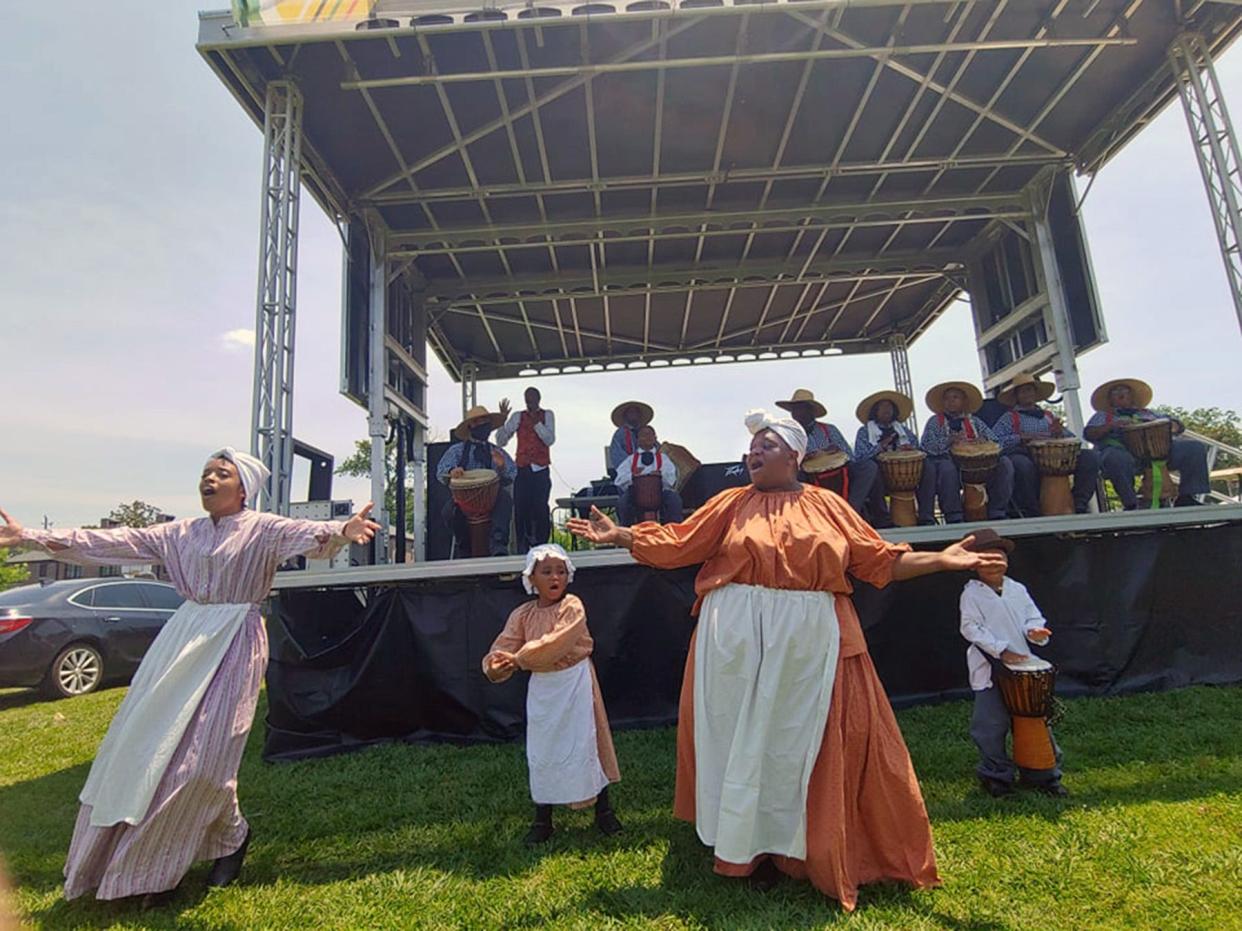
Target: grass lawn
[404,836]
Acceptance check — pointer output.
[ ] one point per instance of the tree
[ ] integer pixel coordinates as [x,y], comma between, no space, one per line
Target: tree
[135,514]
[359,466]
[1220,425]
[11,575]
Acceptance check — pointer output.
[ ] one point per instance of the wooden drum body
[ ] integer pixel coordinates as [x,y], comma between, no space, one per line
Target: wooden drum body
[977,461]
[902,471]
[1056,459]
[1027,692]
[1149,442]
[475,493]
[828,470]
[648,494]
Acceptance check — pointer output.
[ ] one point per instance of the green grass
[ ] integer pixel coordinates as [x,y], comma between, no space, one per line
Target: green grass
[404,836]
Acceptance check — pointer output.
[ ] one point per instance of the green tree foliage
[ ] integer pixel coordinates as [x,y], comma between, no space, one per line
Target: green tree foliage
[1220,425]
[11,575]
[135,514]
[358,465]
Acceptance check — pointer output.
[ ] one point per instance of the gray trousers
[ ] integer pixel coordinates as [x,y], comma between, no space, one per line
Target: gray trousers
[1188,458]
[864,476]
[1026,480]
[949,488]
[989,726]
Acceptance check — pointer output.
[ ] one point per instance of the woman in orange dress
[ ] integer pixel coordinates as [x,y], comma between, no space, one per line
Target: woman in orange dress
[788,754]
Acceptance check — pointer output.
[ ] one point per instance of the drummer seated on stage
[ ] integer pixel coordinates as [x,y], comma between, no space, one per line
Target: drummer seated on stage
[953,404]
[1124,401]
[882,431]
[474,451]
[1025,420]
[647,460]
[826,438]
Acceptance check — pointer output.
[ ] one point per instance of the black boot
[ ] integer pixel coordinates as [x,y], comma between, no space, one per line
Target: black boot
[226,869]
[997,788]
[541,828]
[605,818]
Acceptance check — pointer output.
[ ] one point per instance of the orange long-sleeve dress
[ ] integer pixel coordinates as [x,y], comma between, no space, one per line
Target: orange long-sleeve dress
[548,640]
[866,821]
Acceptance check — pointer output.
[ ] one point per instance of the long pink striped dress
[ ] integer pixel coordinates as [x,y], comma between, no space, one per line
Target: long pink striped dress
[194,814]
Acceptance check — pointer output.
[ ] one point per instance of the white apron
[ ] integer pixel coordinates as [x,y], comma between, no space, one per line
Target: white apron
[561,746]
[764,666]
[163,697]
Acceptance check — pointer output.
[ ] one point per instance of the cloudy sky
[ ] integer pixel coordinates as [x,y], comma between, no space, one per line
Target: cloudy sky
[128,235]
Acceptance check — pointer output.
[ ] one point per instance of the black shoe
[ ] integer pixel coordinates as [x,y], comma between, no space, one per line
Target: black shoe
[1187,501]
[541,828]
[997,788]
[154,900]
[1054,789]
[605,818]
[226,869]
[765,877]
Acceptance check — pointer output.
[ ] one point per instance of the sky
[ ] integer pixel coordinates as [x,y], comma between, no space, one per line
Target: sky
[128,253]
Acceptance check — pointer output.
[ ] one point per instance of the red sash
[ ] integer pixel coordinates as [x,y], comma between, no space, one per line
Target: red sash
[967,427]
[659,463]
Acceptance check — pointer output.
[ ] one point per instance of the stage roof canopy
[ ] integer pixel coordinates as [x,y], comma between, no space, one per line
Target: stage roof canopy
[595,185]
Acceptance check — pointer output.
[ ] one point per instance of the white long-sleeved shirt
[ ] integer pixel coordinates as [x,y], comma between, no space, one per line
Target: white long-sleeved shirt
[626,469]
[994,623]
[546,431]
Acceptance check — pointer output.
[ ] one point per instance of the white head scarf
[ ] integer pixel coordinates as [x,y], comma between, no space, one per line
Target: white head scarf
[786,428]
[253,473]
[543,551]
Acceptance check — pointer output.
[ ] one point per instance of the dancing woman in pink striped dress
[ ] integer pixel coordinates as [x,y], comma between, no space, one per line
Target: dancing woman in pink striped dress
[162,791]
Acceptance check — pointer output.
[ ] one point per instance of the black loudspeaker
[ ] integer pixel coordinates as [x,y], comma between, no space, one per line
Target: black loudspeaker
[713,478]
[439,537]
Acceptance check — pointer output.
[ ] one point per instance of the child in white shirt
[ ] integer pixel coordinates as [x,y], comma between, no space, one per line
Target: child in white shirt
[999,618]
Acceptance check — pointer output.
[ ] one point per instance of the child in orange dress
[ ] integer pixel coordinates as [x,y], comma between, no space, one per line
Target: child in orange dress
[568,743]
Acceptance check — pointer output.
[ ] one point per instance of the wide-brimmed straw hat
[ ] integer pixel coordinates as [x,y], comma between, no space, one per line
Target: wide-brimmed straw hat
[1044,389]
[645,413]
[904,405]
[935,397]
[804,396]
[988,539]
[1140,389]
[462,430]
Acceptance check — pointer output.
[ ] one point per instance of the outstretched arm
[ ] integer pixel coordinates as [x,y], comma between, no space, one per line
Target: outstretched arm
[320,539]
[116,546]
[955,557]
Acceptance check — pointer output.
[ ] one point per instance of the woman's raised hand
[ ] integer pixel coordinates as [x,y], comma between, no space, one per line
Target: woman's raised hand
[598,528]
[10,530]
[958,556]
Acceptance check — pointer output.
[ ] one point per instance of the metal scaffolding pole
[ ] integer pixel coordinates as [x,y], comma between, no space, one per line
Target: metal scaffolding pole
[469,387]
[1065,363]
[272,400]
[1216,145]
[901,375]
[377,405]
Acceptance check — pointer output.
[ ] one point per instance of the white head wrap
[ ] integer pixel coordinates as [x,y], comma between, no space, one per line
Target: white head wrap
[252,472]
[543,551]
[786,428]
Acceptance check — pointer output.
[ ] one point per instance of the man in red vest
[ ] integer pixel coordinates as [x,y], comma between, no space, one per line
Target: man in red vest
[536,431]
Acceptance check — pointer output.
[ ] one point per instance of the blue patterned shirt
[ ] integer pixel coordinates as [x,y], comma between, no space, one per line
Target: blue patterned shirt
[1032,421]
[826,436]
[474,455]
[1117,419]
[865,449]
[624,444]
[937,434]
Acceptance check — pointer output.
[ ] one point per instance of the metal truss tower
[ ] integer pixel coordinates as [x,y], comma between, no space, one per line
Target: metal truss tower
[1216,145]
[901,375]
[272,411]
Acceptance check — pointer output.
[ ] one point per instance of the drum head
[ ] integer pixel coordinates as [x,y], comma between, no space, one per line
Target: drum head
[474,478]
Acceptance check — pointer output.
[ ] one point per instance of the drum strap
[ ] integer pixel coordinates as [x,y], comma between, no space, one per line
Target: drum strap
[659,463]
[1016,418]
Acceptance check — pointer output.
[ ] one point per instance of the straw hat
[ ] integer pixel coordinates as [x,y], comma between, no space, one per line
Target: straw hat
[1044,389]
[645,413]
[1140,389]
[935,397]
[905,406]
[803,396]
[989,539]
[462,430]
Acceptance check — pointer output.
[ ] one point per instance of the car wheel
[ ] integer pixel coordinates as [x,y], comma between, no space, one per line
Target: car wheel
[77,670]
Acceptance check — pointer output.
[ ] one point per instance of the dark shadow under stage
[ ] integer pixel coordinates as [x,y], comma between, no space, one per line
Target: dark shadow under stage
[1137,601]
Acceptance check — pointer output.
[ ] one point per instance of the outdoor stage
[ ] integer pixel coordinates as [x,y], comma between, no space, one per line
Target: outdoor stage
[557,189]
[1136,601]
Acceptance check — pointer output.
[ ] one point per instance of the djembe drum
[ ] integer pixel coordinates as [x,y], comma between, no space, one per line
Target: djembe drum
[475,493]
[1149,442]
[1056,459]
[648,491]
[1026,688]
[976,460]
[828,470]
[685,461]
[902,470]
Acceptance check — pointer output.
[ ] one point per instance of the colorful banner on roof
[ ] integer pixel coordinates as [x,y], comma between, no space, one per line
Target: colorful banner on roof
[291,12]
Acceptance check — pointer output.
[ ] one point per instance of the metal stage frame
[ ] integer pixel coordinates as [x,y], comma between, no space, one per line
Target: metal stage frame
[549,188]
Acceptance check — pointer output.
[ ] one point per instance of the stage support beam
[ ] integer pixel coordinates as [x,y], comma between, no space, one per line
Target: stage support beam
[276,306]
[377,405]
[901,375]
[469,387]
[1216,145]
[1065,363]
